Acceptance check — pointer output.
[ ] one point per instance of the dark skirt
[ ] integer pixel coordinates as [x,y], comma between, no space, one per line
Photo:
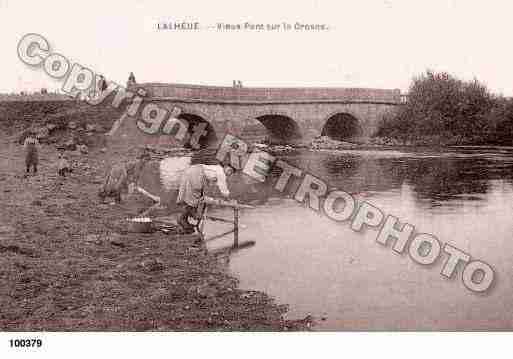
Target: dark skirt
[31,157]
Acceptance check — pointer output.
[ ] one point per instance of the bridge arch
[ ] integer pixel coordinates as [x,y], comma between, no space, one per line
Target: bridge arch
[341,126]
[207,139]
[273,126]
[281,128]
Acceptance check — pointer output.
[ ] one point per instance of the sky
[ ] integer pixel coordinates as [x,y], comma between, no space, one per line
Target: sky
[370,43]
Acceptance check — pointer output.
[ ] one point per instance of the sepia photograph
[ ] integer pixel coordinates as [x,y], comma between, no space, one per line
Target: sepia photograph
[334,170]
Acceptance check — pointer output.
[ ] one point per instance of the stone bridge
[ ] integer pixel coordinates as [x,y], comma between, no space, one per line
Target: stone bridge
[282,115]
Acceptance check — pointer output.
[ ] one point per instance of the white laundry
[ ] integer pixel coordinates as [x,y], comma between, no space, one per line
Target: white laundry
[171,170]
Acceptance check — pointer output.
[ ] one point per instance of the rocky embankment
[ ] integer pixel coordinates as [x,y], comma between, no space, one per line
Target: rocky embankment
[327,143]
[65,124]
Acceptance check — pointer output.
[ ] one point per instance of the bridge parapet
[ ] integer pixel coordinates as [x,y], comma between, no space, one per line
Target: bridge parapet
[269,95]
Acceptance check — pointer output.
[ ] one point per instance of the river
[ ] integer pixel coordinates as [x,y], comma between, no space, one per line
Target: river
[348,281]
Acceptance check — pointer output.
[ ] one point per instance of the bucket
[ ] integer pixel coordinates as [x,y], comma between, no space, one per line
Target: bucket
[140,225]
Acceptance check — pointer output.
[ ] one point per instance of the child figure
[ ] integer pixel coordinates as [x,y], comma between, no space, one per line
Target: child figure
[63,165]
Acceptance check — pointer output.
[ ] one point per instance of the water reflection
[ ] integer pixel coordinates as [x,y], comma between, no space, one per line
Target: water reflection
[433,176]
[323,268]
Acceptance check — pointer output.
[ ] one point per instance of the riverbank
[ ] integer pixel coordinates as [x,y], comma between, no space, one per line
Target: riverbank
[68,264]
[325,143]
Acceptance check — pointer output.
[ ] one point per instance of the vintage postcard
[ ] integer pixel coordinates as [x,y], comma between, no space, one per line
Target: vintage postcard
[235,166]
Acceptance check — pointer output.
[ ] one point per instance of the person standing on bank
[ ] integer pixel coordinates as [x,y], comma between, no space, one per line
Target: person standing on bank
[193,183]
[63,165]
[31,146]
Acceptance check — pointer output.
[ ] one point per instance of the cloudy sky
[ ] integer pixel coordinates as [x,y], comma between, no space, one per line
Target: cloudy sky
[371,43]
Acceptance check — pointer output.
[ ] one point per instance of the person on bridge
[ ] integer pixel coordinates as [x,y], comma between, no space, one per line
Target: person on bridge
[131,80]
[193,183]
[102,84]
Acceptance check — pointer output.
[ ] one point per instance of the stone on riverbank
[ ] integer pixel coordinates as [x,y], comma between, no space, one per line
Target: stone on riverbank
[327,143]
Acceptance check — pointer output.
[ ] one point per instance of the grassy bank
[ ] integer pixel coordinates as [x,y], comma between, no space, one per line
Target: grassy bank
[67,262]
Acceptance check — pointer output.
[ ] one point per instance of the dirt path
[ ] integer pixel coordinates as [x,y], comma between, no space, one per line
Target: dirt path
[67,264]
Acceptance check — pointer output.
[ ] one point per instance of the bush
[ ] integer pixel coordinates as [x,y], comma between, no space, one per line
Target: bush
[444,108]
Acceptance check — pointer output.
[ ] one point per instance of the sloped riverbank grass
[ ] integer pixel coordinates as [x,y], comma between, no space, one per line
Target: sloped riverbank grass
[67,262]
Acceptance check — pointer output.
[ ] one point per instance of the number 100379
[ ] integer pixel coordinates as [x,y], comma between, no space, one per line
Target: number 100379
[25,343]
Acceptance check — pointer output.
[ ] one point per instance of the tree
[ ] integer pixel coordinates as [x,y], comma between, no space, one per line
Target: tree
[443,109]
